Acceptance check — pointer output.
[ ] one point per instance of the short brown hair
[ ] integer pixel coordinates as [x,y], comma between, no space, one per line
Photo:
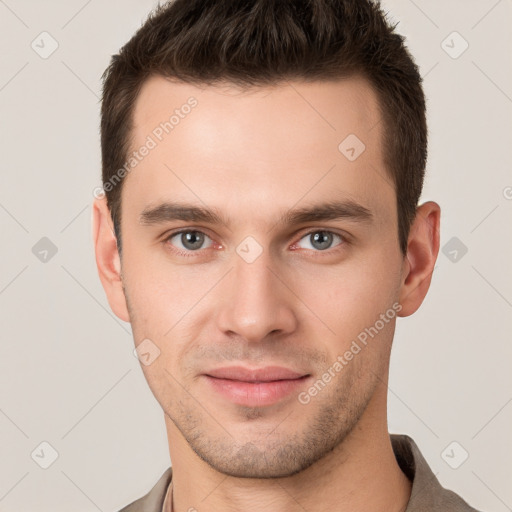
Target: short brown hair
[265,42]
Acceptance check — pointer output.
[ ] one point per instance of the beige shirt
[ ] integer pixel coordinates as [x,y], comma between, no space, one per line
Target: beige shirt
[427,494]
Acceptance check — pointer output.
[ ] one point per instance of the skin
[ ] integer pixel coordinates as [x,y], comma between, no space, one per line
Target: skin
[254,155]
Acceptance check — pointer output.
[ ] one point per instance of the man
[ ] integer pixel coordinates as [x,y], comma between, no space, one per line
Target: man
[262,164]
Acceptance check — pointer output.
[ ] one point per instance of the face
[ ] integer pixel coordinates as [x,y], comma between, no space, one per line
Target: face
[259,232]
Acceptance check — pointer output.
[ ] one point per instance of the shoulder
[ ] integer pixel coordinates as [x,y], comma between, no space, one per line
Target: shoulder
[154,499]
[427,493]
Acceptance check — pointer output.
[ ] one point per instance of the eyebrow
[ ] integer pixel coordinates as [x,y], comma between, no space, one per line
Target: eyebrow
[332,210]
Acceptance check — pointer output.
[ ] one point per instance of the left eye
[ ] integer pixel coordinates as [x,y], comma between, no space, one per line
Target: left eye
[320,240]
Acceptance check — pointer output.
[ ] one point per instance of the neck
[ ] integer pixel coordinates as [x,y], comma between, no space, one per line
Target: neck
[360,474]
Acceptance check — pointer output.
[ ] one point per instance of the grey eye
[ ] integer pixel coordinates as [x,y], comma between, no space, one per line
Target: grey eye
[320,240]
[189,240]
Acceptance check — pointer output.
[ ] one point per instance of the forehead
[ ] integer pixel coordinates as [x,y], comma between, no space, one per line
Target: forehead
[301,108]
[318,138]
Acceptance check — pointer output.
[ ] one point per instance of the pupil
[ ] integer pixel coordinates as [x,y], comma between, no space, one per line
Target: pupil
[192,239]
[321,240]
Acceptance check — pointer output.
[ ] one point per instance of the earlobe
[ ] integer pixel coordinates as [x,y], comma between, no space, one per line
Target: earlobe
[107,258]
[419,262]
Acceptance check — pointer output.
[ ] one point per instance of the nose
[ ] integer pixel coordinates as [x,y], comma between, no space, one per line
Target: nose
[255,301]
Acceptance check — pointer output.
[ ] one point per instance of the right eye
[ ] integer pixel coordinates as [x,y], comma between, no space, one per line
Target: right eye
[188,240]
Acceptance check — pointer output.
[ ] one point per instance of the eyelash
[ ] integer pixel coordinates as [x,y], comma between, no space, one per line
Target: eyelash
[344,241]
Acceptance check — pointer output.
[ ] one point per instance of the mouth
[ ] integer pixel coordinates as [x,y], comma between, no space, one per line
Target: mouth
[255,387]
[266,374]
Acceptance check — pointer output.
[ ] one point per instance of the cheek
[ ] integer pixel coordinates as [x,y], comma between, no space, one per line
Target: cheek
[161,294]
[344,300]
[171,307]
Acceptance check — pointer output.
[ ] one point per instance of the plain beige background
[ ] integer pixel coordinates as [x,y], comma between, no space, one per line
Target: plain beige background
[68,376]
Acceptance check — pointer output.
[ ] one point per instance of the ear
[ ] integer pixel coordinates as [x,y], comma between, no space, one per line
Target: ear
[107,258]
[422,250]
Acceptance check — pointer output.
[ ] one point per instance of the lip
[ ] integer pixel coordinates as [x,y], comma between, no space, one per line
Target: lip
[266,374]
[255,387]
